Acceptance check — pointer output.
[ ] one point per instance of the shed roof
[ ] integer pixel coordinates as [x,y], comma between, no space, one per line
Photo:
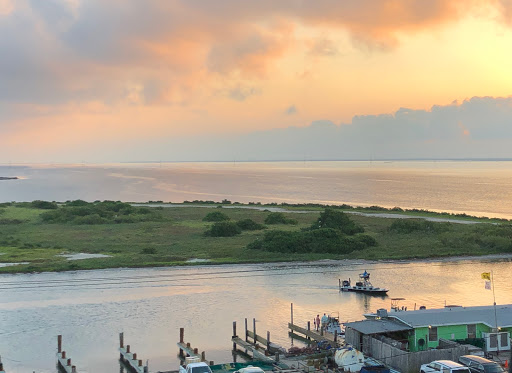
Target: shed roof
[455,316]
[377,326]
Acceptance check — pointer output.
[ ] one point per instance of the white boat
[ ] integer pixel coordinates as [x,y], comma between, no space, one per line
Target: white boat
[362,286]
[334,325]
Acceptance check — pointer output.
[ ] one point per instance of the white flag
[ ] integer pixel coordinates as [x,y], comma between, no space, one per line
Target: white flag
[488,285]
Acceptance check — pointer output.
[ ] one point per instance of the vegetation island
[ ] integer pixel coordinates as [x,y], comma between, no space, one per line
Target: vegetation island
[38,236]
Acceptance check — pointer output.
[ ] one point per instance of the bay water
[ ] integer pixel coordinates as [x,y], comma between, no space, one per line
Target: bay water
[480,188]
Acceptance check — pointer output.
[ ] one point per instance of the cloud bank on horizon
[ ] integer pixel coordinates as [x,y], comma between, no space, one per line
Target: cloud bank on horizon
[194,80]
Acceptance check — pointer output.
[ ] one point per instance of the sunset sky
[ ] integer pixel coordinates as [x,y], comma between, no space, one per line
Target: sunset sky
[127,80]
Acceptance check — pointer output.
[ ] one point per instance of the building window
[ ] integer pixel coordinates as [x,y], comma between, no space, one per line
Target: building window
[472,331]
[432,333]
[493,340]
[504,339]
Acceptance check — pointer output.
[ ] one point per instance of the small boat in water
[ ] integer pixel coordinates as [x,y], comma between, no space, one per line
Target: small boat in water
[362,286]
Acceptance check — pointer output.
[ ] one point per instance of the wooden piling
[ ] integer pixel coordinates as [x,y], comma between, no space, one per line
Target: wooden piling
[203,356]
[130,359]
[336,335]
[186,349]
[291,309]
[254,330]
[246,331]
[268,340]
[234,335]
[59,343]
[64,355]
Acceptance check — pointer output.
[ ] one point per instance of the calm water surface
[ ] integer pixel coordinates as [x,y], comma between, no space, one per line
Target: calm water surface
[476,188]
[90,308]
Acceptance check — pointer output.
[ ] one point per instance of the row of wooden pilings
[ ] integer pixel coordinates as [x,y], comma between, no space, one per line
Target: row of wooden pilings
[310,334]
[129,358]
[250,343]
[63,362]
[185,349]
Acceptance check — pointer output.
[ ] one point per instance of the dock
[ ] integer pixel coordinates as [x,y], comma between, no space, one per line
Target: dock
[129,359]
[258,352]
[63,362]
[186,350]
[309,334]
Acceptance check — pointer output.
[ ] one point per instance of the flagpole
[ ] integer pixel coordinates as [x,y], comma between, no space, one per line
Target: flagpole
[494,298]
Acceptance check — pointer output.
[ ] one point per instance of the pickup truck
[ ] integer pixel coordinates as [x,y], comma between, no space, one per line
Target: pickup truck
[196,368]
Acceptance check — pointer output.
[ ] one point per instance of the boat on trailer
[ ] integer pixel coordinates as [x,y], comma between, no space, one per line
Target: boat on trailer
[362,286]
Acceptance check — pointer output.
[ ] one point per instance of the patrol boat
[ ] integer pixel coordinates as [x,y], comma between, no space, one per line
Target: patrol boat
[362,286]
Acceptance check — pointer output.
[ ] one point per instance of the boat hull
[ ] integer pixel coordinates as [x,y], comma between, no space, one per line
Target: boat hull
[376,291]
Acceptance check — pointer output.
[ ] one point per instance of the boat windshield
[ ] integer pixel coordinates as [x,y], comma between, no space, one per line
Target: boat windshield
[202,369]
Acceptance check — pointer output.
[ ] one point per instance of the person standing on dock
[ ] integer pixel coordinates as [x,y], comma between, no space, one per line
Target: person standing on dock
[317,322]
[325,321]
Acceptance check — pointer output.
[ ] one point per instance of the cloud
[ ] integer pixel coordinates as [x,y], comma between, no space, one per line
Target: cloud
[60,50]
[479,127]
[323,47]
[240,93]
[291,110]
[6,7]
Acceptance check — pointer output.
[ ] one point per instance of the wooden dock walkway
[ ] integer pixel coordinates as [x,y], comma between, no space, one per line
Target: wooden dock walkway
[256,353]
[316,336]
[63,362]
[129,358]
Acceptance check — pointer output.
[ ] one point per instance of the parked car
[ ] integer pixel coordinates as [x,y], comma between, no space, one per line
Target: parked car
[444,366]
[477,364]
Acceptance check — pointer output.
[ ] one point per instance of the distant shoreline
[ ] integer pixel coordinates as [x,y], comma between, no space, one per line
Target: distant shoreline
[8,177]
[306,160]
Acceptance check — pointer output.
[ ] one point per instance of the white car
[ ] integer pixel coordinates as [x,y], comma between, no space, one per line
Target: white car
[444,366]
[196,368]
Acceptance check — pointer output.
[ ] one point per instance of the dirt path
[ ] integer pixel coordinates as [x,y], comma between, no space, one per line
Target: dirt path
[280,209]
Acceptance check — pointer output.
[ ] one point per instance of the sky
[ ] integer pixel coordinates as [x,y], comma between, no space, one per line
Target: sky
[171,80]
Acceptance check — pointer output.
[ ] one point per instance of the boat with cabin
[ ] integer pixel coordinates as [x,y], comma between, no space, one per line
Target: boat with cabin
[362,286]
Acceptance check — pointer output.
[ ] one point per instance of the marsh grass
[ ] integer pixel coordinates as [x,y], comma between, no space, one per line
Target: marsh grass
[179,236]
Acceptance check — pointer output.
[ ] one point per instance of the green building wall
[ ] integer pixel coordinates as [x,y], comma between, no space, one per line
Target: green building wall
[445,332]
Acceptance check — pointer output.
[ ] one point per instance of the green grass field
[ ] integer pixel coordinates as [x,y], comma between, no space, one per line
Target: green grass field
[178,237]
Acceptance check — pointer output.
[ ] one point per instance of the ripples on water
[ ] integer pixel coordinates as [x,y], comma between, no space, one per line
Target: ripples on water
[476,188]
[150,305]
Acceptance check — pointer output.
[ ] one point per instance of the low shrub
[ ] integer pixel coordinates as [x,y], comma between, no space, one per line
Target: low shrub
[249,225]
[279,218]
[223,229]
[216,216]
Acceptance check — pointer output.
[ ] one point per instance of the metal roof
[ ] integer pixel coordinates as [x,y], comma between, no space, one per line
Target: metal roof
[455,316]
[377,326]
